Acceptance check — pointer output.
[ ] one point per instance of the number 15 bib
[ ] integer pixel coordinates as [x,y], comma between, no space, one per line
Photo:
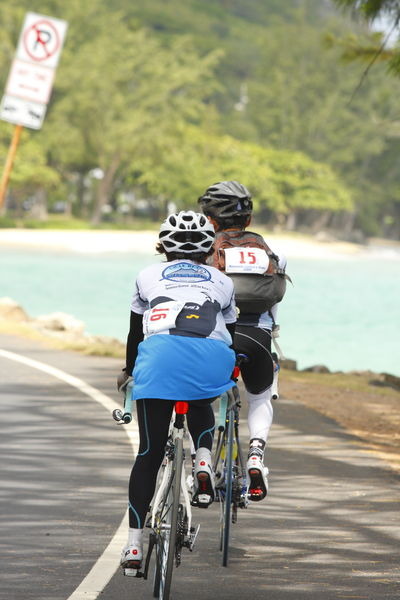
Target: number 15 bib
[246,260]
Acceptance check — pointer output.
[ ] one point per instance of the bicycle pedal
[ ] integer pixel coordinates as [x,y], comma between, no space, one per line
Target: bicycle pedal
[133,573]
[192,537]
[203,500]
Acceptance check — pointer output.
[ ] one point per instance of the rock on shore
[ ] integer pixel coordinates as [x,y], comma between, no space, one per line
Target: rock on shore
[58,326]
[70,332]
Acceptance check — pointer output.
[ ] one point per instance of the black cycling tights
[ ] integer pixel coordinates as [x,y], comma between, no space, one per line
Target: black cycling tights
[154,416]
[255,342]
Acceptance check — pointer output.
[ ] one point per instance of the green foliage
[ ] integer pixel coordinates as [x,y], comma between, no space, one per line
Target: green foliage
[31,167]
[169,96]
[375,49]
[371,9]
[279,180]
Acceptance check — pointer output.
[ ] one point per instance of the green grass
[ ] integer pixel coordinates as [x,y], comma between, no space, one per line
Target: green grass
[7,223]
[363,382]
[72,223]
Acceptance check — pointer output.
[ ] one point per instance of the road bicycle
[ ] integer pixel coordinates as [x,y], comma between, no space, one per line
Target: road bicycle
[229,465]
[170,520]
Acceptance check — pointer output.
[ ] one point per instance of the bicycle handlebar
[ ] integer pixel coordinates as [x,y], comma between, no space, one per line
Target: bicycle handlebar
[124,417]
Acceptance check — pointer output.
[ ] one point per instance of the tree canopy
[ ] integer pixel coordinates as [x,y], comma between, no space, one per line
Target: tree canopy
[157,100]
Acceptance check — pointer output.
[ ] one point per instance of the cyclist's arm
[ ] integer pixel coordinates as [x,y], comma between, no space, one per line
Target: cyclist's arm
[135,336]
[230,314]
[274,312]
[231,328]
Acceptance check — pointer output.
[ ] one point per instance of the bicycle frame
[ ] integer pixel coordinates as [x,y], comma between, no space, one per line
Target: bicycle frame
[229,466]
[175,435]
[170,519]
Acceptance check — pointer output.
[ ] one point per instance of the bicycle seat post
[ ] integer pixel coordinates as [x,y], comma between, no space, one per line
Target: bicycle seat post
[181,409]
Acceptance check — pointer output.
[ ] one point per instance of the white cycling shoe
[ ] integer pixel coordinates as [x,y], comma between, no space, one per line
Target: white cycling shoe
[258,478]
[203,484]
[132,556]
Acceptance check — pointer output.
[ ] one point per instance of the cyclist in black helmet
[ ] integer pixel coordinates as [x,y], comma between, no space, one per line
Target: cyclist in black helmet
[228,206]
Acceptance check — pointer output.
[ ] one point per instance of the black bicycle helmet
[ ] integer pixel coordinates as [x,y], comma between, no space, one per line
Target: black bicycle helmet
[226,199]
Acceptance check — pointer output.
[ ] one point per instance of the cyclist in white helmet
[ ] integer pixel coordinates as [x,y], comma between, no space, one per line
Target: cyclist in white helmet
[178,348]
[229,207]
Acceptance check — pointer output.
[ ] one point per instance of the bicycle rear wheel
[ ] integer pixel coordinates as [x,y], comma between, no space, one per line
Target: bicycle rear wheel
[227,504]
[167,528]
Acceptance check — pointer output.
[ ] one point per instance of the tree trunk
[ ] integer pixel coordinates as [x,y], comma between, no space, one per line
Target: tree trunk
[39,208]
[104,189]
[321,221]
[291,221]
[79,209]
[348,223]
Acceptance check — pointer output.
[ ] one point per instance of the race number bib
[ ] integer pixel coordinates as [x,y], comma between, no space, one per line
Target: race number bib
[161,317]
[246,260]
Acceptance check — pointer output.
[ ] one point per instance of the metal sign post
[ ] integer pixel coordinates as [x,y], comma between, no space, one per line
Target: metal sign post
[30,81]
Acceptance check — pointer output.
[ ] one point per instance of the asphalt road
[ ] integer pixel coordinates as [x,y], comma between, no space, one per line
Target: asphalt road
[329,530]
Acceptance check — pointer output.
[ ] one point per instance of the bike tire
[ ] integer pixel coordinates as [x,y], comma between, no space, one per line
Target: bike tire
[167,536]
[227,504]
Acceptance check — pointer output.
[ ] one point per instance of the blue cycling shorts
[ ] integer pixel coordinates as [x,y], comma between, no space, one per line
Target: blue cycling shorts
[175,367]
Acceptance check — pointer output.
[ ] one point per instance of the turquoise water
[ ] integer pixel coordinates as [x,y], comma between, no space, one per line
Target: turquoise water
[343,312]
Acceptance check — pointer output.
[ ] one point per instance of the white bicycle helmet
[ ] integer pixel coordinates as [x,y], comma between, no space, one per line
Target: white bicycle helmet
[187,232]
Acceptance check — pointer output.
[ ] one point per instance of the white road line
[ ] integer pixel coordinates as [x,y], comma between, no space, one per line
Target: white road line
[105,567]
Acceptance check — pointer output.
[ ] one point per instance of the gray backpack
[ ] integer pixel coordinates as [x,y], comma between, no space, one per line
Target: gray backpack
[255,292]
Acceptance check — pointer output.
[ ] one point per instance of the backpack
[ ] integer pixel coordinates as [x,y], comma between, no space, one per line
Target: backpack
[258,280]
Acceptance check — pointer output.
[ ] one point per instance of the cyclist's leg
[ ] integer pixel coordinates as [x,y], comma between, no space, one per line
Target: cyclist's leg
[257,376]
[201,424]
[260,415]
[153,419]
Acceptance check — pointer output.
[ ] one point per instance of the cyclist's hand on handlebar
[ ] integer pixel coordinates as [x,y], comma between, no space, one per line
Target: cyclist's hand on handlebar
[240,360]
[123,380]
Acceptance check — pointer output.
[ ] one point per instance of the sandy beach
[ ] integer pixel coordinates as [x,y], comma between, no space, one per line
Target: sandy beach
[94,242]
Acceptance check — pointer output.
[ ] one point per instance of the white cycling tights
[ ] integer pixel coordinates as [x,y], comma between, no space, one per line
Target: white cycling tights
[260,414]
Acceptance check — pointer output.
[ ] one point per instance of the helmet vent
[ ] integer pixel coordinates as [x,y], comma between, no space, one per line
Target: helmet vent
[187,232]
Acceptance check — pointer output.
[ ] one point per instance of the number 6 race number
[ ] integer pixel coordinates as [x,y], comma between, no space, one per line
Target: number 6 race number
[162,317]
[159,313]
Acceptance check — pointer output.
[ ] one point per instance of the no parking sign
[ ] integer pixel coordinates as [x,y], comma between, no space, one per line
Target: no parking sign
[30,80]
[41,40]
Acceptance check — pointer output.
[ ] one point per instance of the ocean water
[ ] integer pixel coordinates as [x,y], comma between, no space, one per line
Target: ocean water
[342,312]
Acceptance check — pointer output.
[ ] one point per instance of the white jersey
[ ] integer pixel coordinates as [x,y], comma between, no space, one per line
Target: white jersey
[184,298]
